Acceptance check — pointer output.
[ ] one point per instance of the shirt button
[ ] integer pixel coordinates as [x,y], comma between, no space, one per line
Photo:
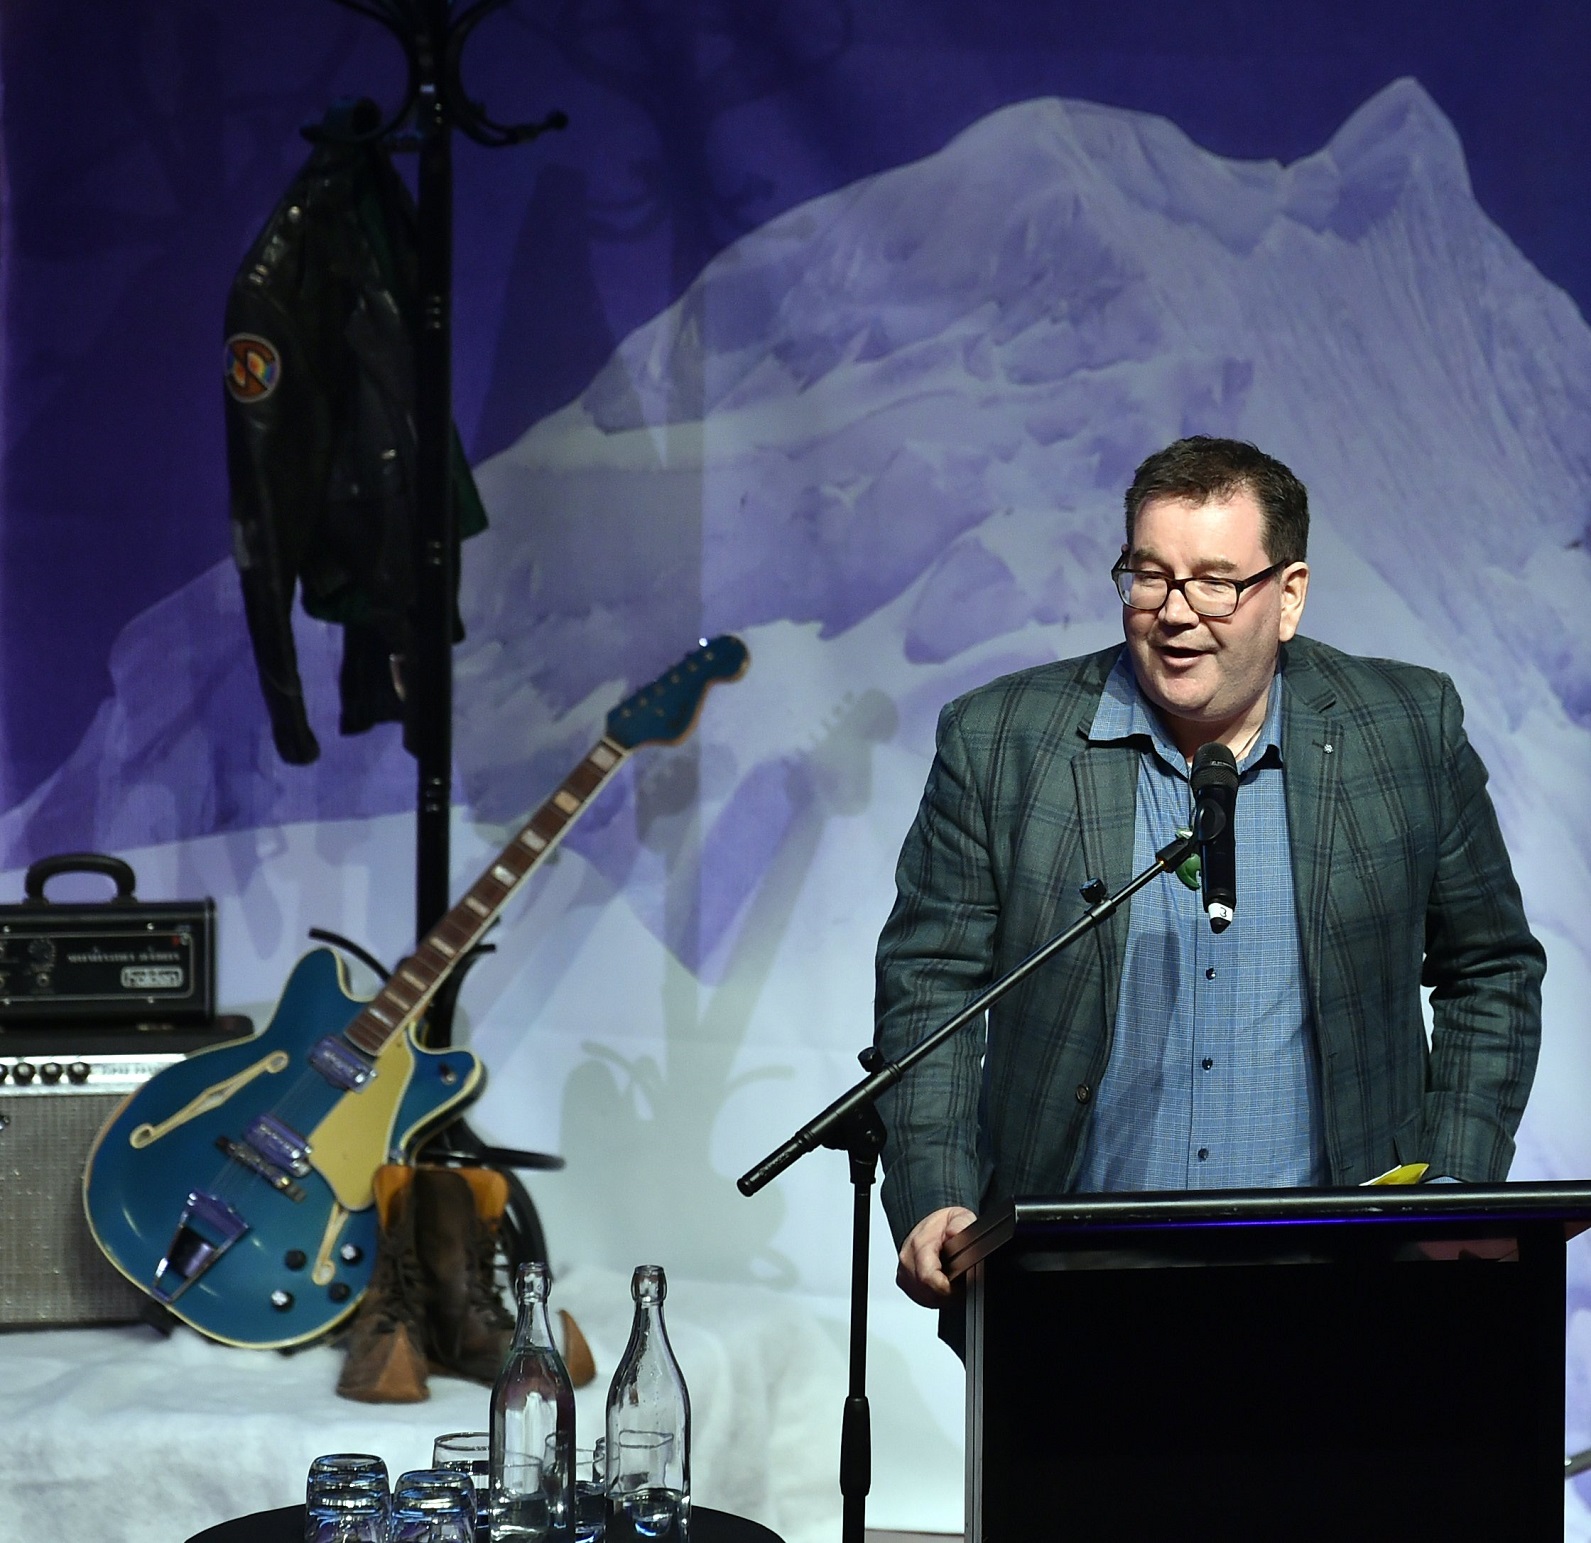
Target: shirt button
[1209,973]
[1084,1092]
[1207,1063]
[1204,1152]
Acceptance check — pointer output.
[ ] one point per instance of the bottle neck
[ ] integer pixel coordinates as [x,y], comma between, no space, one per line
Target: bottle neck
[533,1330]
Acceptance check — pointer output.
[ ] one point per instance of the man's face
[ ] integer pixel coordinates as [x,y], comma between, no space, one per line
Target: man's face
[1209,676]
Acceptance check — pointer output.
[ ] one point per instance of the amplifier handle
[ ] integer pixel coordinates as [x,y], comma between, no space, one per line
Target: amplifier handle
[46,868]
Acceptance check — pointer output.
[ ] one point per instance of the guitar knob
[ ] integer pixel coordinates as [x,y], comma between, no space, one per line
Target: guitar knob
[339,1291]
[281,1300]
[350,1253]
[295,1259]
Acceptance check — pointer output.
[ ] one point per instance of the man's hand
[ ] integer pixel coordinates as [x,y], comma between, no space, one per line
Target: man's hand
[920,1275]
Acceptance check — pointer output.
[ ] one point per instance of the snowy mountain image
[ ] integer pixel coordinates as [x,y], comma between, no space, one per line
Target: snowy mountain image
[884,439]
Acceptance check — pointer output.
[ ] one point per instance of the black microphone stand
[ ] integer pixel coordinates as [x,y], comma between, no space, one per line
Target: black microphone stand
[851,1124]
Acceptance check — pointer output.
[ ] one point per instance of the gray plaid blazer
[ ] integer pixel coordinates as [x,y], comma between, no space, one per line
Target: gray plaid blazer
[1401,877]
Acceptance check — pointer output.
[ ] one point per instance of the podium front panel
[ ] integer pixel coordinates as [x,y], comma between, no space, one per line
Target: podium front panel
[1356,1380]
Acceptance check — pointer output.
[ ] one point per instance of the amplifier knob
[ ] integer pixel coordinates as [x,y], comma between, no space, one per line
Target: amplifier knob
[22,1072]
[79,1071]
[5,1071]
[41,951]
[51,1071]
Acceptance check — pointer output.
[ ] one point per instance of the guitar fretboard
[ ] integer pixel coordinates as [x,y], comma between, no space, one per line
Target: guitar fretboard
[407,994]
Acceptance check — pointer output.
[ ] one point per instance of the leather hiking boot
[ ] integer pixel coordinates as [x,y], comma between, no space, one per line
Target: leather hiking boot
[386,1355]
[458,1216]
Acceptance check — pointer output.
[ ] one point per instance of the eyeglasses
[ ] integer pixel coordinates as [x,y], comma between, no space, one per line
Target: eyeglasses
[1144,590]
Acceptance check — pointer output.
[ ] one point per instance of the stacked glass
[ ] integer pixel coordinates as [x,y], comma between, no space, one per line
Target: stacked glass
[433,1505]
[346,1499]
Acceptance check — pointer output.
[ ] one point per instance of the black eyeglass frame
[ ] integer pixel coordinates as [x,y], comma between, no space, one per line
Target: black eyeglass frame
[1181,586]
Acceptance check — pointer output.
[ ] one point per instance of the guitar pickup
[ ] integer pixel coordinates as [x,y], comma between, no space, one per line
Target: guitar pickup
[340,1064]
[280,1145]
[206,1229]
[279,1179]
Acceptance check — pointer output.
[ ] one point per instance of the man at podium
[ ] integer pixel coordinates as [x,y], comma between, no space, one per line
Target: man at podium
[1156,1053]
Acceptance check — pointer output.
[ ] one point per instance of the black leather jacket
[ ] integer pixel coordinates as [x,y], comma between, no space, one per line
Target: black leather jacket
[321,437]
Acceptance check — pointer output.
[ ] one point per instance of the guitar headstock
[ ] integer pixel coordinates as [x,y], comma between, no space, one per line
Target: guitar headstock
[666,711]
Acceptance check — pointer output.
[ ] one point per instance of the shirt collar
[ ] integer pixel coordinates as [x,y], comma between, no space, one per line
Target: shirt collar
[1124,716]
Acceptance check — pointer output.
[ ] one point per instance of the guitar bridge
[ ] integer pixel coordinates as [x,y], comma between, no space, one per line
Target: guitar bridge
[206,1229]
[245,1155]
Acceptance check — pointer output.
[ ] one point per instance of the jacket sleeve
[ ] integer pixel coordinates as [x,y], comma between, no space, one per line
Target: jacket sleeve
[277,440]
[935,953]
[1484,969]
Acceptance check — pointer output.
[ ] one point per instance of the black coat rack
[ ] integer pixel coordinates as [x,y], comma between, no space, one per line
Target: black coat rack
[432,35]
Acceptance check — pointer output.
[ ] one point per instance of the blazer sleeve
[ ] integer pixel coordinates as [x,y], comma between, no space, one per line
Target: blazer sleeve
[934,954]
[1484,969]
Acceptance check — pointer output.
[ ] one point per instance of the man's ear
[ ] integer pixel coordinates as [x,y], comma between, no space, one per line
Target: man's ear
[1294,580]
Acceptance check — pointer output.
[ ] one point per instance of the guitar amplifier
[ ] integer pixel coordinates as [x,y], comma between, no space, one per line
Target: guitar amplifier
[122,960]
[57,1090]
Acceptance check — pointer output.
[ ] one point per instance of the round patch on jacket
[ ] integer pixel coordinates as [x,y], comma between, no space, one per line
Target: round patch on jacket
[253,367]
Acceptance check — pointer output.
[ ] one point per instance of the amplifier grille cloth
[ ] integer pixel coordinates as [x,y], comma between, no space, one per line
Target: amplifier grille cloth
[51,1270]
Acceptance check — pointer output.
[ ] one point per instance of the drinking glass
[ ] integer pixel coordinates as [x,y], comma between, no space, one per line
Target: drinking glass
[432,1505]
[642,1502]
[346,1516]
[469,1452]
[591,1493]
[464,1451]
[334,1481]
[521,1506]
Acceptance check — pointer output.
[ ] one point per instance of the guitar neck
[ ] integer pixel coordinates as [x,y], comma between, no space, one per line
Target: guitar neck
[405,997]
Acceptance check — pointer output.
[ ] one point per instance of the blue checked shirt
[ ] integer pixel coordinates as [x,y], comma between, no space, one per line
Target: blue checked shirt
[1212,1081]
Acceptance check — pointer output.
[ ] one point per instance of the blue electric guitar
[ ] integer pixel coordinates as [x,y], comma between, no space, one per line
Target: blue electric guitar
[235,1187]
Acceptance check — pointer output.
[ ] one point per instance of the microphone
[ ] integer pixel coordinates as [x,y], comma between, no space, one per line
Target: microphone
[1214,783]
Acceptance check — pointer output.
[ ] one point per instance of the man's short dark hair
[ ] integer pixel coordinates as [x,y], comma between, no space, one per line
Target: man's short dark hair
[1202,467]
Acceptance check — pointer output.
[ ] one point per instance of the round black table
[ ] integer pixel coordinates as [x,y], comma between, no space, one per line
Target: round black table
[287,1526]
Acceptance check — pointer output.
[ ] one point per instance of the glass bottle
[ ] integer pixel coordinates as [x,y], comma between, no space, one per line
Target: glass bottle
[648,1447]
[533,1427]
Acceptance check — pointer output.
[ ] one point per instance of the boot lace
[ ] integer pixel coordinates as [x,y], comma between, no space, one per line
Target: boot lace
[397,1289]
[484,1293]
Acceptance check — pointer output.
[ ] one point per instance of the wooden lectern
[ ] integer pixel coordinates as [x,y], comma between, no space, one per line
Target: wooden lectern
[1366,1364]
